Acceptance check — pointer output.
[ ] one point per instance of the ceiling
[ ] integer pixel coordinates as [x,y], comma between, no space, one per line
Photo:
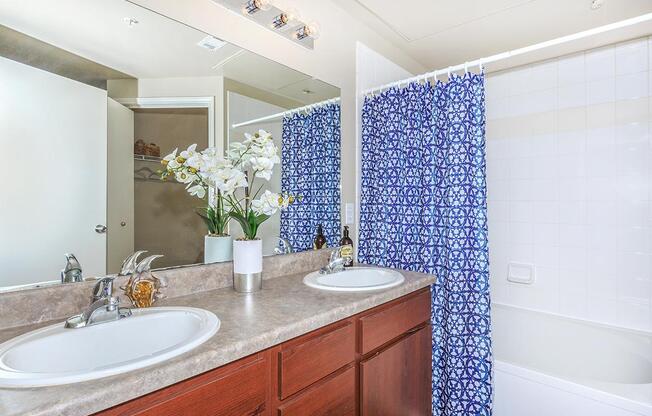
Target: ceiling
[155,47]
[441,33]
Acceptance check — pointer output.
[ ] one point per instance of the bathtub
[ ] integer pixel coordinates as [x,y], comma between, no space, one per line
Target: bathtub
[549,365]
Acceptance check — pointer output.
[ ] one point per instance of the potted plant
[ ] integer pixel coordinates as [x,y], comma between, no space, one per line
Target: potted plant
[200,172]
[234,186]
[255,157]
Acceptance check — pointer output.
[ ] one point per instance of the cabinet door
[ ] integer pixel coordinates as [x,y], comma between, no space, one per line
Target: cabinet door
[237,389]
[397,380]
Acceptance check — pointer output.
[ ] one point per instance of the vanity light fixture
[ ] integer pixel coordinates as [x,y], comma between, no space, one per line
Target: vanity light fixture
[253,6]
[288,17]
[284,22]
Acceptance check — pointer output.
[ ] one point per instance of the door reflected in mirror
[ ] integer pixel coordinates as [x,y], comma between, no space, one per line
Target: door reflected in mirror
[87,124]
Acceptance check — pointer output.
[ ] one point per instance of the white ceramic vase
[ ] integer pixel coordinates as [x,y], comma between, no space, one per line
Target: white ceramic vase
[218,249]
[247,265]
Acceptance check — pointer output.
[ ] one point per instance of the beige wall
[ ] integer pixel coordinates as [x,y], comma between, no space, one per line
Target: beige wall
[332,60]
[165,221]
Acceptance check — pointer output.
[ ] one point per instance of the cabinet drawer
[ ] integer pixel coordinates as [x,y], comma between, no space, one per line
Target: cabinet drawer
[380,327]
[314,356]
[234,390]
[335,396]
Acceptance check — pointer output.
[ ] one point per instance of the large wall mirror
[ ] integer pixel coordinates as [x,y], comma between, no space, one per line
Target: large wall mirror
[89,108]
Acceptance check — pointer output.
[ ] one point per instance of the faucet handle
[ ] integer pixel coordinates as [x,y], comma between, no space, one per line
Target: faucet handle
[283,247]
[103,289]
[336,254]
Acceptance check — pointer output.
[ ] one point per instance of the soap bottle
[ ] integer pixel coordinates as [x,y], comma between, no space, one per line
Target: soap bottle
[346,250]
[320,241]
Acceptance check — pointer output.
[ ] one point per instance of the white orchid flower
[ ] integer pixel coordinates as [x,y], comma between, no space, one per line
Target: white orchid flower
[190,152]
[227,180]
[262,167]
[198,191]
[268,203]
[196,162]
[185,176]
[170,161]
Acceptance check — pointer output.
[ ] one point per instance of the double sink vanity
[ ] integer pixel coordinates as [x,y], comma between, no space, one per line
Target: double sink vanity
[345,343]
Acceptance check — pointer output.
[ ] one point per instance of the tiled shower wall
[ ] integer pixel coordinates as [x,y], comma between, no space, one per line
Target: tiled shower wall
[569,184]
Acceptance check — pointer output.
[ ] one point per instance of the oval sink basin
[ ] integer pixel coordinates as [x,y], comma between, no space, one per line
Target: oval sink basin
[355,279]
[55,355]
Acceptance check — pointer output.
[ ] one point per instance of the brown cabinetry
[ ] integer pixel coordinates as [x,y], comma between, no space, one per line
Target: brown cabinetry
[397,380]
[375,363]
[237,389]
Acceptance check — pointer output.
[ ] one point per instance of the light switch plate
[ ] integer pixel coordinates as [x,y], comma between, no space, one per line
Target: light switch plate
[349,213]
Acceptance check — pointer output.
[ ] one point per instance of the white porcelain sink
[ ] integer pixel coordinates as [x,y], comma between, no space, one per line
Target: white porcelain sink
[355,279]
[55,355]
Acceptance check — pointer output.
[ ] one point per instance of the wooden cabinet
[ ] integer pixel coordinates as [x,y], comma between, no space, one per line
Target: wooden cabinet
[237,389]
[396,381]
[376,363]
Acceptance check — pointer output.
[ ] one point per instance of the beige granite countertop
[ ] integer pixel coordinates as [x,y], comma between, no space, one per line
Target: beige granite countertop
[283,310]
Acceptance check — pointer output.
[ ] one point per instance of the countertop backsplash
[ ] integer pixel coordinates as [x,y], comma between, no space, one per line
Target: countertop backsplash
[32,306]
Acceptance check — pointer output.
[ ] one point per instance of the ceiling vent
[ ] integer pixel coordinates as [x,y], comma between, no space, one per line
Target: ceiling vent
[211,43]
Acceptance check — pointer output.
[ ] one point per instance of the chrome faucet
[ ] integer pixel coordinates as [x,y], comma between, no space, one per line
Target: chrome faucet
[103,308]
[335,263]
[283,247]
[73,271]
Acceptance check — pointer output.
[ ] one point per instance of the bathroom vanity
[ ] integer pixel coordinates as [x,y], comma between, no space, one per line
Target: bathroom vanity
[289,349]
[375,362]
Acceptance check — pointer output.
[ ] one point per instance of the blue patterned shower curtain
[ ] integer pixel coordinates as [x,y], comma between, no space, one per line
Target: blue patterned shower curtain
[423,208]
[310,168]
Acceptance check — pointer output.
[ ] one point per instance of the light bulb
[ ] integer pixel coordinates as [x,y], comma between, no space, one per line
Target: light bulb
[309,30]
[285,18]
[253,6]
[292,16]
[314,31]
[264,4]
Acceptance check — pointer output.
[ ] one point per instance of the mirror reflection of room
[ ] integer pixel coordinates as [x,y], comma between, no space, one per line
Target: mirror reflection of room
[124,89]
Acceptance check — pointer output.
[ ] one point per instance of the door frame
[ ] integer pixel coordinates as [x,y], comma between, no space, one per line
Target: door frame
[177,102]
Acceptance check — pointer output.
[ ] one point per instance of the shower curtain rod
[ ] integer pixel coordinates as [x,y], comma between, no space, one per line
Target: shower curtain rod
[286,113]
[509,54]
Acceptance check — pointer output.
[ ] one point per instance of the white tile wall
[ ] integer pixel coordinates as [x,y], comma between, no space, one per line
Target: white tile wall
[570,183]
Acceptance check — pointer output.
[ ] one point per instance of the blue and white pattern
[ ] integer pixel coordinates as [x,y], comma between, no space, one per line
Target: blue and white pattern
[310,168]
[423,208]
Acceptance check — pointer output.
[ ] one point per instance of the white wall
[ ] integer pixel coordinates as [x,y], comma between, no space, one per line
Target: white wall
[241,109]
[568,169]
[53,141]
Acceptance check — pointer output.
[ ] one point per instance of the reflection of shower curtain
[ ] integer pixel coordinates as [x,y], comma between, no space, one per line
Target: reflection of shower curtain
[310,169]
[423,208]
